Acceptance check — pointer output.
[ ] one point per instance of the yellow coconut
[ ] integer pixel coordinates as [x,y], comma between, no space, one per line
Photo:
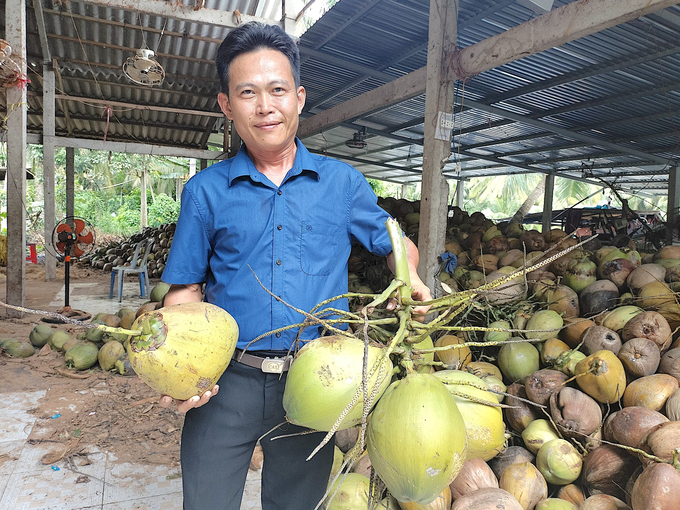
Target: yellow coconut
[484,425]
[602,376]
[185,348]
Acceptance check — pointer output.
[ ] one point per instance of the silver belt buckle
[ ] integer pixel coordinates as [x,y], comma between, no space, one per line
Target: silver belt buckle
[273,365]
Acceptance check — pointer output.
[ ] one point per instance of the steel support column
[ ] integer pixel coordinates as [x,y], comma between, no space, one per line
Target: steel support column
[548,195]
[673,204]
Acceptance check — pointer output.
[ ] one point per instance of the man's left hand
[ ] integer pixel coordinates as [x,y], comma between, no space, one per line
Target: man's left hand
[421,292]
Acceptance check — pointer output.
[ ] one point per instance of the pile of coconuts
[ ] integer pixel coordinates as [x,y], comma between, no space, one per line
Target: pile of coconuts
[121,253]
[585,351]
[86,348]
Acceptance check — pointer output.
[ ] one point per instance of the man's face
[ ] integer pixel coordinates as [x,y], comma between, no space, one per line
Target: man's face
[263,102]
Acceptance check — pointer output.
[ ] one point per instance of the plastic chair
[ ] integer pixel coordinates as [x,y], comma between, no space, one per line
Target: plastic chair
[133,268]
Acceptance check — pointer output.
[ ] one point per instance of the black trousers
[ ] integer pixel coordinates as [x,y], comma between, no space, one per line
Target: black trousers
[218,440]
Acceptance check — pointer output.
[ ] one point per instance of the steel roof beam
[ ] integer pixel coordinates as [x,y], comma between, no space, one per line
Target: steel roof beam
[465,25]
[188,13]
[572,21]
[575,135]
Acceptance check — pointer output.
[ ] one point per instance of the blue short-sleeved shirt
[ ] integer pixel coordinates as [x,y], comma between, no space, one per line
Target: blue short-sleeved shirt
[295,237]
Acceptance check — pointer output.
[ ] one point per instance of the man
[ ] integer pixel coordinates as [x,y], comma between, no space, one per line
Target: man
[277,212]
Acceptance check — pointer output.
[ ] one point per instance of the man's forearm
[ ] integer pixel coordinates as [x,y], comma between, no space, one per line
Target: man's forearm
[177,294]
[413,259]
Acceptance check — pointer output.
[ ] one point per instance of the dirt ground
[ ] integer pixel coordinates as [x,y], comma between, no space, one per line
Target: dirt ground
[116,413]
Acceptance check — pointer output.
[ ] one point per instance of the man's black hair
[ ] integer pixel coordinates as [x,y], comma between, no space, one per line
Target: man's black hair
[255,36]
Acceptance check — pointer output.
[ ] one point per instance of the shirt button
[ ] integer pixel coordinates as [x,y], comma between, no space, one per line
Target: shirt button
[278,335]
[279,192]
[279,227]
[278,262]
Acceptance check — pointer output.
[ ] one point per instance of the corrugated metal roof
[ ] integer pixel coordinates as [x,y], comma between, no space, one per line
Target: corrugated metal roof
[620,86]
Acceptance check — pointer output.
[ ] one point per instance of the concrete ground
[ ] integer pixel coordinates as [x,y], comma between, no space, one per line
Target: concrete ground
[105,482]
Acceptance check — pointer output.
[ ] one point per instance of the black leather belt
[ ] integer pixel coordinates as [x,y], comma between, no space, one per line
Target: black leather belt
[267,365]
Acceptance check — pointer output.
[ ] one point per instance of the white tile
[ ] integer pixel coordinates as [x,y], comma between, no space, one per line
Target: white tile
[15,422]
[3,484]
[126,481]
[21,402]
[171,501]
[45,489]
[10,453]
[94,304]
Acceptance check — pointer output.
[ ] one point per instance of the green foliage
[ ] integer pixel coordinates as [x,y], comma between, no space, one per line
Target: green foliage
[163,210]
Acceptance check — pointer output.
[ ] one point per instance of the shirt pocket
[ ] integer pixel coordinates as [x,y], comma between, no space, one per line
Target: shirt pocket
[318,248]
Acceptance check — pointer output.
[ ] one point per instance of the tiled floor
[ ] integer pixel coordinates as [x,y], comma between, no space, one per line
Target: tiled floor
[94,481]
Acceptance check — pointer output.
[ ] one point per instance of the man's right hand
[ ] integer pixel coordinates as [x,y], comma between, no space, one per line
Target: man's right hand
[184,405]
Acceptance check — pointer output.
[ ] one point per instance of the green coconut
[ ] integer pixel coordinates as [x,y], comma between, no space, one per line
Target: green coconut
[518,360]
[498,336]
[159,291]
[351,493]
[81,356]
[555,504]
[17,348]
[559,462]
[72,342]
[58,339]
[416,438]
[548,322]
[326,376]
[109,354]
[94,334]
[40,334]
[124,311]
[484,426]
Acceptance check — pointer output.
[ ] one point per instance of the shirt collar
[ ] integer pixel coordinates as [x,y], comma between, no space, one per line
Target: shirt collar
[243,166]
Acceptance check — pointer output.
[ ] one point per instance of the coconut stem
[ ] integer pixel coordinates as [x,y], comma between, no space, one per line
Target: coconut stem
[400,258]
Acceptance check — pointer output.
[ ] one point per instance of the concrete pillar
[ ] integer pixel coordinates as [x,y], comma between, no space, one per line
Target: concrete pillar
[548,195]
[143,220]
[672,211]
[439,101]
[15,34]
[70,181]
[179,185]
[49,210]
[460,193]
[192,167]
[404,190]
